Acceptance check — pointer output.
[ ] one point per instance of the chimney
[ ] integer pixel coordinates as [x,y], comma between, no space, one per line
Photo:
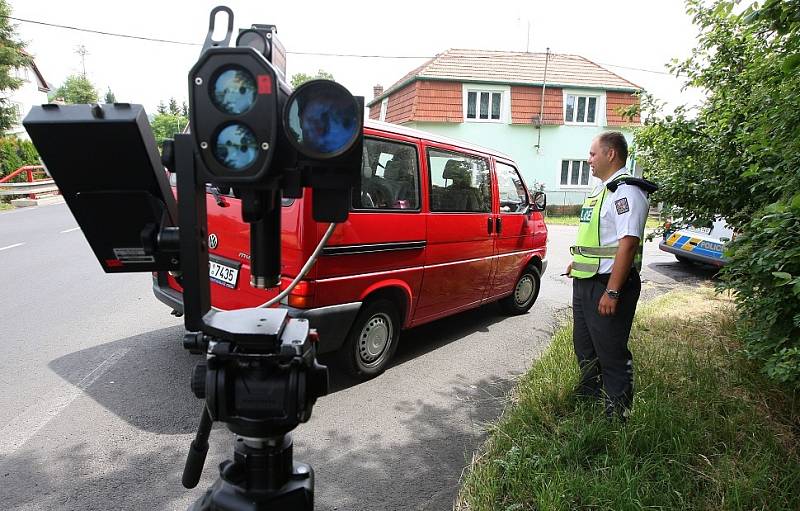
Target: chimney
[377,90]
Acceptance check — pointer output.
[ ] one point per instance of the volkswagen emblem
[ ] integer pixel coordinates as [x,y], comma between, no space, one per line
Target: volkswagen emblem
[212,240]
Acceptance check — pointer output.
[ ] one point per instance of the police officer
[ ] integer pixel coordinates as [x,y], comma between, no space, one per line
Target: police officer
[606,262]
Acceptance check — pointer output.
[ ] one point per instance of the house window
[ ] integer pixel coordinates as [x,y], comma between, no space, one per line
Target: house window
[384,107]
[575,173]
[484,105]
[17,111]
[580,109]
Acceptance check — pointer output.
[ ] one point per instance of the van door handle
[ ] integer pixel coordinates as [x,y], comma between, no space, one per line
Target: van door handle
[499,225]
[489,225]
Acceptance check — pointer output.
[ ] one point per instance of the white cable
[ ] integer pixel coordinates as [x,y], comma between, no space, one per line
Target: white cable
[304,269]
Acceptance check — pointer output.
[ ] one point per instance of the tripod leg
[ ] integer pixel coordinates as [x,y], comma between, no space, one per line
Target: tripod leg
[197,452]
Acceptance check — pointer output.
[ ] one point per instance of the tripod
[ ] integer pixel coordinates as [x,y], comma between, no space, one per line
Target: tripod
[261,396]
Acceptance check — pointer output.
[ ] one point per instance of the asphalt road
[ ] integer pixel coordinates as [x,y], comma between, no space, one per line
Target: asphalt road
[96,412]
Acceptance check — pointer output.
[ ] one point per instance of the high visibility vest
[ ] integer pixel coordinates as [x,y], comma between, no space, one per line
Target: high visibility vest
[587,251]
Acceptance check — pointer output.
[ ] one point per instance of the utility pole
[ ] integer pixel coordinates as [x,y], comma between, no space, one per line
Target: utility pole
[82,51]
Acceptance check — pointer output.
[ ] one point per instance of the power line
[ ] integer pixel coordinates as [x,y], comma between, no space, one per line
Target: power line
[308,53]
[112,34]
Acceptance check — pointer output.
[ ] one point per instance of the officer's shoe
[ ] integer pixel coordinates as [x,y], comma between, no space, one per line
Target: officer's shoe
[617,411]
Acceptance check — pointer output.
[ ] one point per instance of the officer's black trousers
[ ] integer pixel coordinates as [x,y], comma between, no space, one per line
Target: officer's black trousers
[601,342]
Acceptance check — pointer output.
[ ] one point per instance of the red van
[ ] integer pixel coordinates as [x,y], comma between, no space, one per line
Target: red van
[437,227]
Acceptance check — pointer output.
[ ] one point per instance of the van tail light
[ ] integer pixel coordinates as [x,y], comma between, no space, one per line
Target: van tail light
[302,296]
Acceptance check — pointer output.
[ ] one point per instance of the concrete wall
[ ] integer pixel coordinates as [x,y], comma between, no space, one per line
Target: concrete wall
[542,165]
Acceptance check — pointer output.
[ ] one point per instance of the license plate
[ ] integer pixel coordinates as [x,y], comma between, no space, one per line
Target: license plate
[701,230]
[223,274]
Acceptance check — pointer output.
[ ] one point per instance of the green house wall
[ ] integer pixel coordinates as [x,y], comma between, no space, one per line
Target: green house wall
[542,165]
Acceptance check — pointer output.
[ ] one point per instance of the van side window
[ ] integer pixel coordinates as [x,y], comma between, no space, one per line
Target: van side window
[459,182]
[389,176]
[513,198]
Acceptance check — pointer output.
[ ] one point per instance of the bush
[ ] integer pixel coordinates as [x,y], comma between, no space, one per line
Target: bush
[738,156]
[15,153]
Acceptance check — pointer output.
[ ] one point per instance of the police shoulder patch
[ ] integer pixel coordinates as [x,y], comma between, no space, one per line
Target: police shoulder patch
[622,205]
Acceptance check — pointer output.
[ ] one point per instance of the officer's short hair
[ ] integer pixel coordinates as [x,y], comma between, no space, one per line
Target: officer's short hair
[616,141]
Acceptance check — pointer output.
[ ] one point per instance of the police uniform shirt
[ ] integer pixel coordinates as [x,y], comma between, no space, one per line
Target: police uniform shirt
[623,213]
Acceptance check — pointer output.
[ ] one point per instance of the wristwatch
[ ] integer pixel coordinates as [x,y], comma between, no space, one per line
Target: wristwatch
[613,294]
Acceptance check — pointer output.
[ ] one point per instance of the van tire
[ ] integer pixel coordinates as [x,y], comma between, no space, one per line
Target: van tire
[526,290]
[683,260]
[372,340]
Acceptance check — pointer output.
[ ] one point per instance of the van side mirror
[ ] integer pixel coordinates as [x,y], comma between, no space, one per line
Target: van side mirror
[539,201]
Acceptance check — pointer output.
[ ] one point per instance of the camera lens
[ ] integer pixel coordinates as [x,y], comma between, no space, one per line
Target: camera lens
[236,146]
[233,90]
[322,119]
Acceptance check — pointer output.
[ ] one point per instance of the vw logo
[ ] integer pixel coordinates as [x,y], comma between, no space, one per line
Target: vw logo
[212,241]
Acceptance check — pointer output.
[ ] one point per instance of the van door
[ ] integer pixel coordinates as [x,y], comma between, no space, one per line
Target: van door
[513,228]
[383,240]
[460,233]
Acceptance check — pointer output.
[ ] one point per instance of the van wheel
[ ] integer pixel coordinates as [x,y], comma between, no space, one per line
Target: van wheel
[683,260]
[372,340]
[526,290]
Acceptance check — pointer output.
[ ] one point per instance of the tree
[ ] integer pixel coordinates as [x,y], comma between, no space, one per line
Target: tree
[738,156]
[299,79]
[12,56]
[166,125]
[76,89]
[110,97]
[14,153]
[174,109]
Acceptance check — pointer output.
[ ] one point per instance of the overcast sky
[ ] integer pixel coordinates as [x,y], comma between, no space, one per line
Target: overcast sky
[619,34]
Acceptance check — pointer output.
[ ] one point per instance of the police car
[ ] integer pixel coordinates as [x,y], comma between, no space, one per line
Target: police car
[704,244]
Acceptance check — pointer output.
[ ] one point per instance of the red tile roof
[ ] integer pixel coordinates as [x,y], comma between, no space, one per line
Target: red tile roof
[515,68]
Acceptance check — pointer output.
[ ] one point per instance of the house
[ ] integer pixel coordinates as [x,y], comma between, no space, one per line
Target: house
[542,109]
[33,91]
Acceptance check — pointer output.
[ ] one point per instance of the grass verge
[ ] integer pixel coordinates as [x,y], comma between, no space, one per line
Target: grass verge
[651,223]
[707,431]
[5,206]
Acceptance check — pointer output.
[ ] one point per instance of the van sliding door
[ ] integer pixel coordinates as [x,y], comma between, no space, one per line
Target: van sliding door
[458,259]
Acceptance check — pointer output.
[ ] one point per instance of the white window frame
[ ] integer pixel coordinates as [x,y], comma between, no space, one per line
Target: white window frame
[593,181]
[505,101]
[384,108]
[600,107]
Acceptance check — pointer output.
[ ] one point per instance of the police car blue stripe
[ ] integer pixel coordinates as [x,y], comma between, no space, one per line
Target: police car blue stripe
[681,241]
[707,253]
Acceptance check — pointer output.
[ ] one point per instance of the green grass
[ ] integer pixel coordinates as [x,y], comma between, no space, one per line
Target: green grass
[5,205]
[707,432]
[651,223]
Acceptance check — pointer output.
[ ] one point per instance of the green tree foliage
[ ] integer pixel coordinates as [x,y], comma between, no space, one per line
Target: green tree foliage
[16,152]
[738,156]
[110,97]
[12,56]
[76,89]
[166,125]
[299,79]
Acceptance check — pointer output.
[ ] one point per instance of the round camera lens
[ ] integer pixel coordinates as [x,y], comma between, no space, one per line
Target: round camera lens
[234,91]
[322,119]
[235,147]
